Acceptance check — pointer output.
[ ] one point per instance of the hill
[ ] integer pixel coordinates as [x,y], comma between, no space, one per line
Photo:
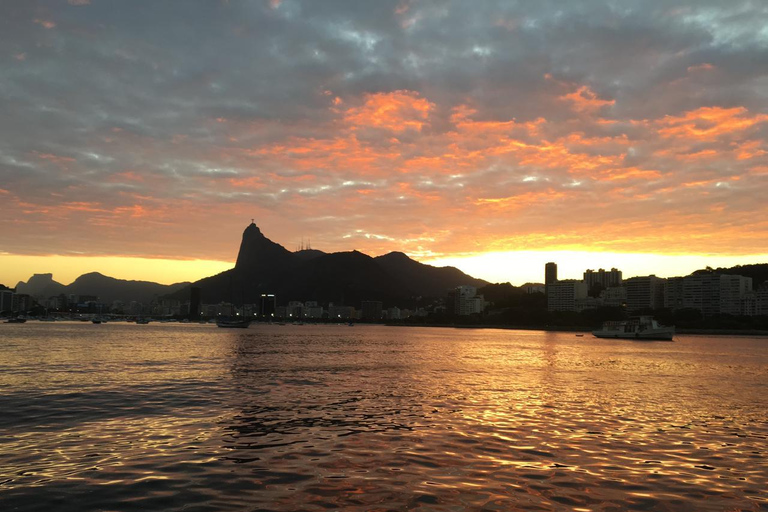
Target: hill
[344,277]
[40,286]
[107,289]
[758,272]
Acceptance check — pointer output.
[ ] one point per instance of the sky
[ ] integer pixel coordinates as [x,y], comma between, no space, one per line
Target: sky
[140,138]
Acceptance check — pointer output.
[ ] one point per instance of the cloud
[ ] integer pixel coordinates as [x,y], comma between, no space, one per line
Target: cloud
[435,128]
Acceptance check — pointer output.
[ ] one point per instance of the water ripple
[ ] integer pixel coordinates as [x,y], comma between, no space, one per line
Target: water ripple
[316,418]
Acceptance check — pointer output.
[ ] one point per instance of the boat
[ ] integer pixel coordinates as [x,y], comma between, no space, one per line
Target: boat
[17,320]
[233,323]
[636,328]
[142,321]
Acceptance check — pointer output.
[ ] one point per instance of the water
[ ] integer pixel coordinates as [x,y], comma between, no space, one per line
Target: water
[191,417]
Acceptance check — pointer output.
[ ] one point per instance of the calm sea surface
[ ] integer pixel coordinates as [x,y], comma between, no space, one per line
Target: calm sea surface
[191,417]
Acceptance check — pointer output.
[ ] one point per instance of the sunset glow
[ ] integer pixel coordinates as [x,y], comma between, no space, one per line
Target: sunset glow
[493,138]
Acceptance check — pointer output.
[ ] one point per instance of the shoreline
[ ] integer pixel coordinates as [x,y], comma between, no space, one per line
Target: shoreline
[724,332]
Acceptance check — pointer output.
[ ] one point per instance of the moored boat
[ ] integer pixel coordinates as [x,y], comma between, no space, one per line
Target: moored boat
[17,320]
[235,323]
[636,328]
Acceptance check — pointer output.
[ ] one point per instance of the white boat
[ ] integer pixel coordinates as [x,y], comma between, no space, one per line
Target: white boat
[636,328]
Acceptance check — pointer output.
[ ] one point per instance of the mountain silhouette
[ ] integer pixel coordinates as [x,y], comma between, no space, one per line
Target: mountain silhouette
[40,286]
[264,266]
[257,252]
[107,289]
[425,279]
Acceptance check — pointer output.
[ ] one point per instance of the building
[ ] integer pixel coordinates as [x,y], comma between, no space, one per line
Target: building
[605,279]
[645,292]
[588,303]
[6,300]
[563,295]
[370,310]
[733,290]
[712,294]
[195,295]
[295,309]
[340,312]
[550,273]
[267,305]
[614,296]
[533,288]
[313,310]
[673,293]
[464,300]
[761,299]
[393,313]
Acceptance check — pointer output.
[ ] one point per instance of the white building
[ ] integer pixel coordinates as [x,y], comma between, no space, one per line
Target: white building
[466,301]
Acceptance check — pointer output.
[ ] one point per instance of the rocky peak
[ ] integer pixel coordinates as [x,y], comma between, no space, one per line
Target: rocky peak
[256,250]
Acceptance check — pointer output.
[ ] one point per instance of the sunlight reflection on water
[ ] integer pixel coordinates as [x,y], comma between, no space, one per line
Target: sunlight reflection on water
[165,417]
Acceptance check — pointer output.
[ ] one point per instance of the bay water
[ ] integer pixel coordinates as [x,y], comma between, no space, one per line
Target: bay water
[190,417]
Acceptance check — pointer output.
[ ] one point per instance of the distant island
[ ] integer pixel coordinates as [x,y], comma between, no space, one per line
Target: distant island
[270,282]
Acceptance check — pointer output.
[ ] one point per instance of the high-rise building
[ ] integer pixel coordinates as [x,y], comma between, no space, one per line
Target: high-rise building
[564,295]
[6,300]
[645,292]
[733,289]
[550,273]
[711,294]
[673,293]
[761,300]
[605,279]
[267,305]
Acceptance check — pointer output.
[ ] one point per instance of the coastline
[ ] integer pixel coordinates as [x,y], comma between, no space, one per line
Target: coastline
[723,332]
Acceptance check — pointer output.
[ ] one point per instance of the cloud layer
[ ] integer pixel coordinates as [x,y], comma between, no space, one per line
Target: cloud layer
[159,129]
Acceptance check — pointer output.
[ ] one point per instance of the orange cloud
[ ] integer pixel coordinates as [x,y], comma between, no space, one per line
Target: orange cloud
[749,149]
[585,100]
[397,111]
[520,201]
[708,123]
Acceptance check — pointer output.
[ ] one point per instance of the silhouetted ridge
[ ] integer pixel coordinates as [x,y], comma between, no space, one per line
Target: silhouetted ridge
[264,266]
[425,279]
[109,289]
[308,254]
[40,286]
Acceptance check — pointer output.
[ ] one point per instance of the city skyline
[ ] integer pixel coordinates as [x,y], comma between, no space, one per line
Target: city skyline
[137,140]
